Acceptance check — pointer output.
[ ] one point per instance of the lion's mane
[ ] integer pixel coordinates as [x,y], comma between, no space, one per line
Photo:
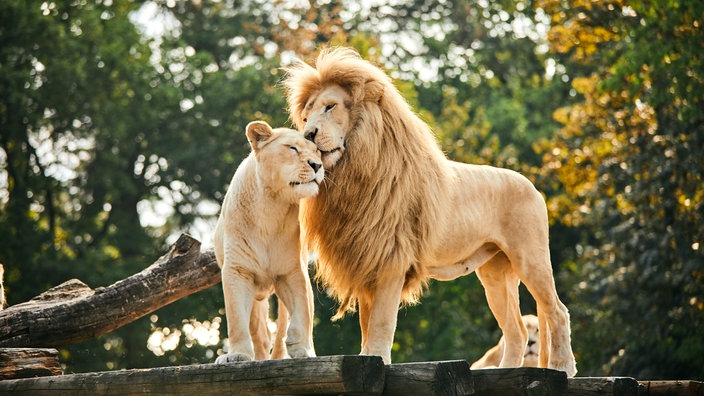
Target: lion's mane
[373,218]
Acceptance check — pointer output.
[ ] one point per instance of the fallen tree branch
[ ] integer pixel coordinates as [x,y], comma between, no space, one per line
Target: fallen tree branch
[72,312]
[29,362]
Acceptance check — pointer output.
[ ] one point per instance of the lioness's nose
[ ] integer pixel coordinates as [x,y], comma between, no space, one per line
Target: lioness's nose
[310,134]
[315,166]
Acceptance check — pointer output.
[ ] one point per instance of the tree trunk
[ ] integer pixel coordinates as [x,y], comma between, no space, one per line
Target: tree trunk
[72,312]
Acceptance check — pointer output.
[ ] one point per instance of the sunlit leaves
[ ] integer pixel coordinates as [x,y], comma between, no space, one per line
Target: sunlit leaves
[625,153]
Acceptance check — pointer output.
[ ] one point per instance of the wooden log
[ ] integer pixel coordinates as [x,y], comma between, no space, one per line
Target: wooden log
[671,388]
[588,386]
[28,362]
[72,312]
[519,381]
[429,378]
[352,375]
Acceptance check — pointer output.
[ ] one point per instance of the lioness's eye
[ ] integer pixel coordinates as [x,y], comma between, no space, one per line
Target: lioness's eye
[305,120]
[329,107]
[295,150]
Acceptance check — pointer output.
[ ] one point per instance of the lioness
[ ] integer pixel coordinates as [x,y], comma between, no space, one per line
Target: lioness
[257,245]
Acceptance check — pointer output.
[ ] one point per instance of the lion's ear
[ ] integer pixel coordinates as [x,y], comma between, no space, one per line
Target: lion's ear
[258,132]
[373,90]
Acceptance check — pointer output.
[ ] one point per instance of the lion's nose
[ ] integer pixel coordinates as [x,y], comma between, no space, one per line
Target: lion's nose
[310,134]
[531,342]
[315,166]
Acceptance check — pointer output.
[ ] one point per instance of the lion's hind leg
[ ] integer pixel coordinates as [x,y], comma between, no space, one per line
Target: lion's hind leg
[553,316]
[501,287]
[544,334]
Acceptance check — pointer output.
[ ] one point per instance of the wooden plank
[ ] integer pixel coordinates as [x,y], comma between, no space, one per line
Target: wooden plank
[72,312]
[352,375]
[519,381]
[429,378]
[588,386]
[28,362]
[674,388]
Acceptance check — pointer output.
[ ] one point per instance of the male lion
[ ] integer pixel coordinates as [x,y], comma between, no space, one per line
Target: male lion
[257,245]
[394,212]
[492,357]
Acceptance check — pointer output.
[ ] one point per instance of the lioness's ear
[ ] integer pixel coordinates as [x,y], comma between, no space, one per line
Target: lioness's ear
[258,132]
[373,90]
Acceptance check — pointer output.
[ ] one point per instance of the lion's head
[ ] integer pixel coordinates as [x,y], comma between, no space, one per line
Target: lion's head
[530,358]
[288,165]
[327,120]
[326,102]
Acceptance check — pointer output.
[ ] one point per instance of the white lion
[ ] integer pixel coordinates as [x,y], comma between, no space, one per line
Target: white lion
[492,357]
[257,245]
[394,212]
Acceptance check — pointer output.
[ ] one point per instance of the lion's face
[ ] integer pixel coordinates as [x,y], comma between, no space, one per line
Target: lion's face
[288,164]
[530,359]
[327,120]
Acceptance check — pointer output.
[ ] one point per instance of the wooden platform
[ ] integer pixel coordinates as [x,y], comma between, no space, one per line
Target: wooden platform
[344,374]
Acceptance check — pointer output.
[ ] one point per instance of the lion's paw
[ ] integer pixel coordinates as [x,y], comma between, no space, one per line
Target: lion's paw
[232,358]
[568,367]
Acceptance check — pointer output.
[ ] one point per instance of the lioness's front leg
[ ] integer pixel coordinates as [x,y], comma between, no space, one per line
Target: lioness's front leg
[382,319]
[259,329]
[238,290]
[296,293]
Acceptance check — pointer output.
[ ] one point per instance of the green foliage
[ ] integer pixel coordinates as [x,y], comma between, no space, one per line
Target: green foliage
[629,158]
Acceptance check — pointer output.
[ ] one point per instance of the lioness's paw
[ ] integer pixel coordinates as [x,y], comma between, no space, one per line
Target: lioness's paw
[232,357]
[300,352]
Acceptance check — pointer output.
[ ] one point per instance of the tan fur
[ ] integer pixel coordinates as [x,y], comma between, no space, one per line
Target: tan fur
[492,357]
[257,245]
[394,211]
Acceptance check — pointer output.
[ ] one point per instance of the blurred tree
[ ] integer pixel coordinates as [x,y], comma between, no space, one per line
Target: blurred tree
[74,110]
[97,129]
[629,160]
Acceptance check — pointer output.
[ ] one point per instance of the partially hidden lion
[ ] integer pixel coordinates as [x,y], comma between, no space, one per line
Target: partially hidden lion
[394,212]
[492,357]
[257,245]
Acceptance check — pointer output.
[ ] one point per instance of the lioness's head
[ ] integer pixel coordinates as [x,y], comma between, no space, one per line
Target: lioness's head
[288,165]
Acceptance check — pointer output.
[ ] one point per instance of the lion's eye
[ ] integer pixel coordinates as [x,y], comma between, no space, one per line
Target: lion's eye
[329,107]
[294,148]
[305,120]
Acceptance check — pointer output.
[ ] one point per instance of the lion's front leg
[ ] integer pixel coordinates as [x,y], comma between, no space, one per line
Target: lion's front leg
[383,314]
